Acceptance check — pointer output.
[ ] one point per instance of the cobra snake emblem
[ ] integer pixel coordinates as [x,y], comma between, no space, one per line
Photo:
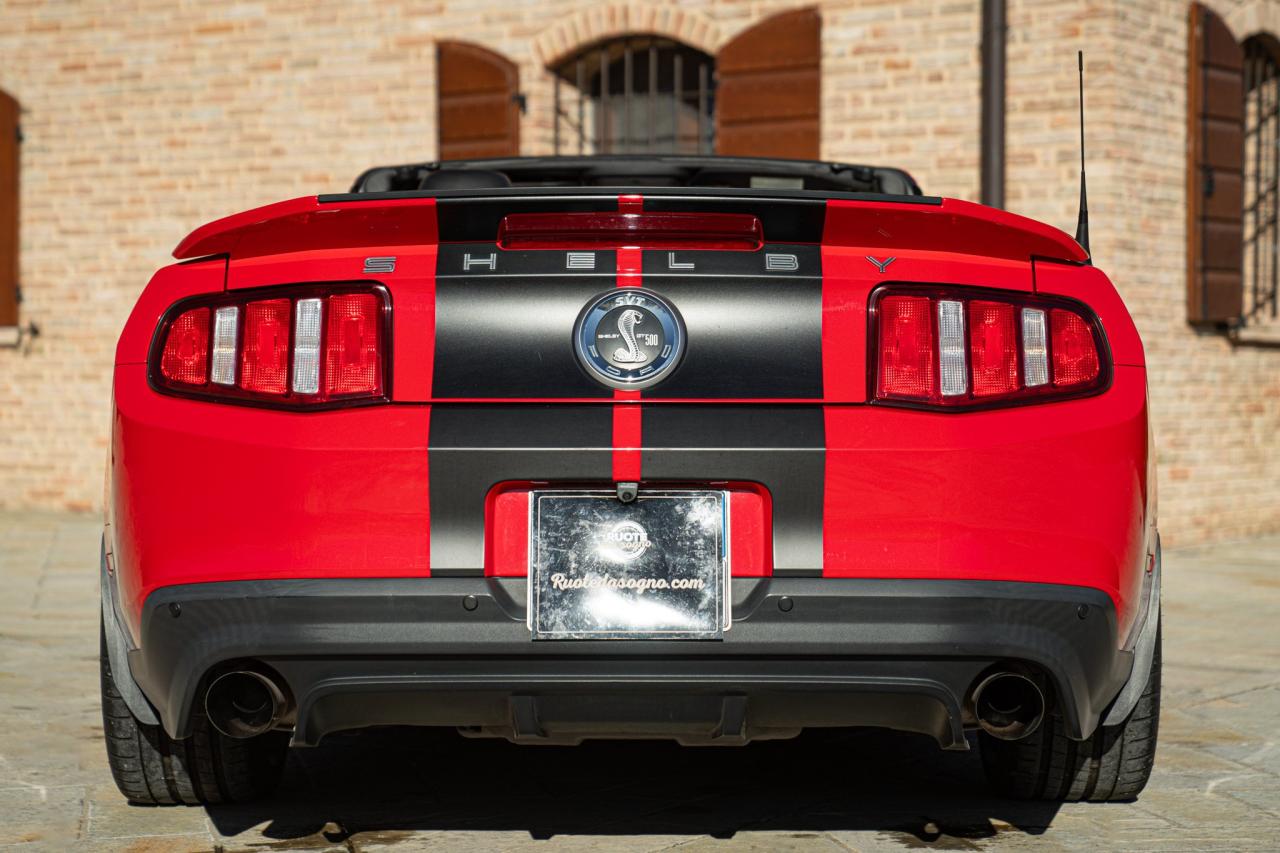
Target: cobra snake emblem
[627,328]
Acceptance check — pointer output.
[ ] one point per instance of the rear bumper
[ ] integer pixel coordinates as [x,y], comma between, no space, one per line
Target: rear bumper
[802,652]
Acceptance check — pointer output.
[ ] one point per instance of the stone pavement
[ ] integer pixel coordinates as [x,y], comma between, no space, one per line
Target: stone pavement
[1216,784]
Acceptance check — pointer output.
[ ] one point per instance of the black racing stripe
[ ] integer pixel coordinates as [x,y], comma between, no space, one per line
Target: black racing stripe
[781,262]
[750,334]
[479,218]
[482,260]
[474,447]
[504,322]
[780,447]
[785,220]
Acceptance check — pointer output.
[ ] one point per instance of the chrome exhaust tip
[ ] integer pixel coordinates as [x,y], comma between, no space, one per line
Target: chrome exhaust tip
[244,703]
[1008,705]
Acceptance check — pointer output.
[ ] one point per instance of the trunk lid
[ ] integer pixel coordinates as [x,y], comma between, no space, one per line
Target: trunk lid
[780,317]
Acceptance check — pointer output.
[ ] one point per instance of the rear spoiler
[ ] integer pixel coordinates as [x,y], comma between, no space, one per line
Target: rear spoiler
[874,221]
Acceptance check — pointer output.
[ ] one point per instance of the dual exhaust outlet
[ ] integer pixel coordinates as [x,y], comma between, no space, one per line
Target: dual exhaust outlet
[245,703]
[1008,705]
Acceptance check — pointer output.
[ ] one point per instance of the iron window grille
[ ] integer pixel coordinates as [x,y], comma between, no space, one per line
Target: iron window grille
[635,95]
[1261,180]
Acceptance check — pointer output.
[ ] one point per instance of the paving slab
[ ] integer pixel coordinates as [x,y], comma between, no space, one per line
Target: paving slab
[1216,784]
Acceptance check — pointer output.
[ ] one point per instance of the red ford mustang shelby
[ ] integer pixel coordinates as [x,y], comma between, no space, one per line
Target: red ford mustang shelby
[663,447]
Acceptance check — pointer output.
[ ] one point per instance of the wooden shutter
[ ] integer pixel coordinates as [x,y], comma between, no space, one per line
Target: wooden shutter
[1215,163]
[768,88]
[8,211]
[478,114]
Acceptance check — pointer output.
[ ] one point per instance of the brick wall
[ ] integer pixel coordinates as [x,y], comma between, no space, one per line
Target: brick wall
[144,119]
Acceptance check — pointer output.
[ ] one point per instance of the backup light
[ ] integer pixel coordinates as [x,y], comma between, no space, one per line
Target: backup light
[1035,348]
[225,328]
[306,347]
[963,347]
[953,375]
[295,347]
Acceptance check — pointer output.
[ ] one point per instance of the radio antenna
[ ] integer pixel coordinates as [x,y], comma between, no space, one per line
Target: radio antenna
[1082,219]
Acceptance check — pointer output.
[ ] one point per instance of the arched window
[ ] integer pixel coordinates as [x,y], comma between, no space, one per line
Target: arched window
[636,94]
[1261,177]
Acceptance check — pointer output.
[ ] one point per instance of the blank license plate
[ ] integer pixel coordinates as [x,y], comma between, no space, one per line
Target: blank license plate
[655,568]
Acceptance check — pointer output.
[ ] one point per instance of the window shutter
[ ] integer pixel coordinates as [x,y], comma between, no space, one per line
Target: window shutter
[8,211]
[478,114]
[768,88]
[1215,179]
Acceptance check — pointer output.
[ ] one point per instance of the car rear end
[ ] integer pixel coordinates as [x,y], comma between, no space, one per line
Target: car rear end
[557,464]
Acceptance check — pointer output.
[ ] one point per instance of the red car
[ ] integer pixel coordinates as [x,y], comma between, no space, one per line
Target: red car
[553,449]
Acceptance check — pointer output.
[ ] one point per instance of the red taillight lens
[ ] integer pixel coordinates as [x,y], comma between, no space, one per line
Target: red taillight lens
[353,351]
[995,347]
[185,359]
[1075,357]
[264,354]
[908,353]
[296,346]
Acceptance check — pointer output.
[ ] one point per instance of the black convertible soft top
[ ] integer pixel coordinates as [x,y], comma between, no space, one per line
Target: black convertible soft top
[638,170]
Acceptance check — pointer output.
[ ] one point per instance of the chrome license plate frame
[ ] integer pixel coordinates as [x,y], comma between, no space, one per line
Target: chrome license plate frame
[657,568]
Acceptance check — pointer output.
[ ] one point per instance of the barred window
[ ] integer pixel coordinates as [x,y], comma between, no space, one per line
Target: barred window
[1261,177]
[635,95]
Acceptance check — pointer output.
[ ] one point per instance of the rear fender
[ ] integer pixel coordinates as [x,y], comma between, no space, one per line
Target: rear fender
[167,286]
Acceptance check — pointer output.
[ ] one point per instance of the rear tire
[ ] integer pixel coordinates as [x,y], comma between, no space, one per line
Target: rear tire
[151,768]
[1113,765]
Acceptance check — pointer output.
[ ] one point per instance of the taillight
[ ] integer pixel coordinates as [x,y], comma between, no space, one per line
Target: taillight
[297,347]
[907,351]
[264,354]
[957,347]
[185,358]
[353,358]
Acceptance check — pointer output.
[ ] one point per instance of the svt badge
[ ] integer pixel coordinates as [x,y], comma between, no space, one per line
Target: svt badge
[629,338]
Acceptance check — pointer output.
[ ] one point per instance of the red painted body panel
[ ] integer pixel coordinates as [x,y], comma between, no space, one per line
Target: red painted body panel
[1057,492]
[953,227]
[1006,494]
[167,286]
[1091,286]
[305,225]
[203,491]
